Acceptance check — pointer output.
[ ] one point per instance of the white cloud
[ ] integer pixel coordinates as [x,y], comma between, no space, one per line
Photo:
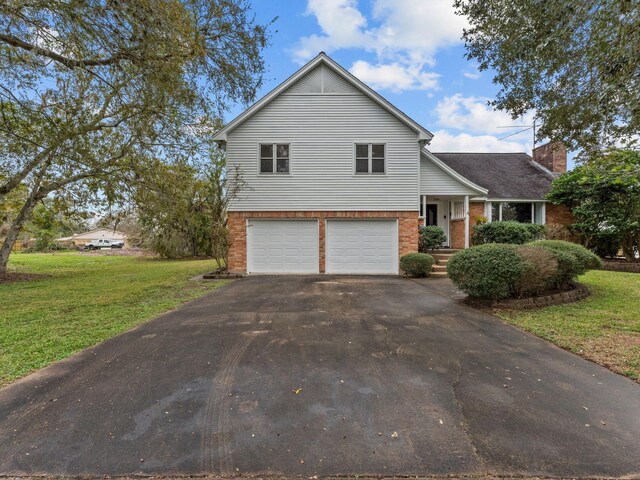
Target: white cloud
[394,77]
[478,129]
[475,115]
[444,141]
[404,34]
[472,75]
[416,28]
[342,24]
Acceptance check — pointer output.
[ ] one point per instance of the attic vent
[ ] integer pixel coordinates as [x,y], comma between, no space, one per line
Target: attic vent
[321,79]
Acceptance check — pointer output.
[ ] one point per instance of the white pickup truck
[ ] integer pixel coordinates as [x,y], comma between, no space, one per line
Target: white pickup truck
[103,243]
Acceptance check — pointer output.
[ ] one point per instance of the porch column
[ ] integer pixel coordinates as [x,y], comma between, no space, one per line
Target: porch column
[424,210]
[466,221]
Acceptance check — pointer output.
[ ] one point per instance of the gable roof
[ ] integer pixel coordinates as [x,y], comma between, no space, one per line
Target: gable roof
[452,173]
[504,175]
[323,58]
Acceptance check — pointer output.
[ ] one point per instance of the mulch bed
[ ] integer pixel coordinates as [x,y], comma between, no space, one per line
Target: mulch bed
[14,277]
[577,293]
[218,275]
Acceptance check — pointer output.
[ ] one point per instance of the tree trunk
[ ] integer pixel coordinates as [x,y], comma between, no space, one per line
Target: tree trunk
[14,230]
[627,247]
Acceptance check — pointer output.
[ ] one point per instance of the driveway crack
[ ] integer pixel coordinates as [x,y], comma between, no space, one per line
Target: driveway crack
[465,423]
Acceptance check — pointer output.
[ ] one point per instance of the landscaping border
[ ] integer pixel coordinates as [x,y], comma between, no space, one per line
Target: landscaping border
[221,276]
[616,266]
[579,292]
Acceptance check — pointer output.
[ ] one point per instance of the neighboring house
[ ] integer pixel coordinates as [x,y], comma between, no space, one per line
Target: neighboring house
[80,239]
[337,180]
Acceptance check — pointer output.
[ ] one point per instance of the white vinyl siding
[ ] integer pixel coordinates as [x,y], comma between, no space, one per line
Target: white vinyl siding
[362,246]
[282,246]
[322,130]
[435,181]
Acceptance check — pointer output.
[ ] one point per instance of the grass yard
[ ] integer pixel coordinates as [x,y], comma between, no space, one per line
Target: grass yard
[604,328]
[83,300]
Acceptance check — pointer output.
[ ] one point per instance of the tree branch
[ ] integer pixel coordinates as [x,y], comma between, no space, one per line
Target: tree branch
[72,62]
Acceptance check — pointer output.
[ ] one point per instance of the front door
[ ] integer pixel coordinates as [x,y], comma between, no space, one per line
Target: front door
[432,214]
[437,214]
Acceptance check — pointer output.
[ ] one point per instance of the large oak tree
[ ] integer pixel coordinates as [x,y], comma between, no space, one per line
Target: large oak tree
[575,63]
[93,92]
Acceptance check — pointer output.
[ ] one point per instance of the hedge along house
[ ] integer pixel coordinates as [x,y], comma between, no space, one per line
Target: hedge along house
[335,179]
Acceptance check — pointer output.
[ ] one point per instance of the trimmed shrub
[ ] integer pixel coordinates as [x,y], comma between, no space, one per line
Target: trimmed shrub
[416,264]
[491,271]
[556,231]
[431,238]
[587,259]
[573,260]
[515,233]
[540,273]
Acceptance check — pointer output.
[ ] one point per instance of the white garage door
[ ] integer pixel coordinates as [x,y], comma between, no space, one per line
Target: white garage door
[362,246]
[282,246]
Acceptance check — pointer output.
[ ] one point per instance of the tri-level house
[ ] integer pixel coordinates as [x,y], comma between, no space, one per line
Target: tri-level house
[335,179]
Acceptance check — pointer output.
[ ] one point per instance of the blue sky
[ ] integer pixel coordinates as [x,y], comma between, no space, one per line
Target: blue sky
[408,50]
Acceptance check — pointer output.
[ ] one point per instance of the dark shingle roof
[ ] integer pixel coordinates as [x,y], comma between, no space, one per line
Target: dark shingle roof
[505,175]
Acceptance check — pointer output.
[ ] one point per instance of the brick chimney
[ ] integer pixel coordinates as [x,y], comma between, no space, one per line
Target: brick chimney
[552,156]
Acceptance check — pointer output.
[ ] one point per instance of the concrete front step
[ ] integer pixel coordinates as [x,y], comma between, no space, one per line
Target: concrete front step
[441,258]
[438,274]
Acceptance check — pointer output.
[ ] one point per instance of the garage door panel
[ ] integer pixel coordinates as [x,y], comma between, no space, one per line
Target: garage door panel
[282,246]
[362,246]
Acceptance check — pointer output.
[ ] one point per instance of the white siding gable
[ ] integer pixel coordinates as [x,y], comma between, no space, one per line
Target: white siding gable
[321,116]
[435,181]
[321,79]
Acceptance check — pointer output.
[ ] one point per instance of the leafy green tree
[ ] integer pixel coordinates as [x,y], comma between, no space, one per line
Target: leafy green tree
[92,93]
[604,196]
[172,210]
[50,220]
[575,63]
[182,208]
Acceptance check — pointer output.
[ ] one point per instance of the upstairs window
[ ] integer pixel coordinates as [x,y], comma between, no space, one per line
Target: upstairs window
[370,158]
[274,158]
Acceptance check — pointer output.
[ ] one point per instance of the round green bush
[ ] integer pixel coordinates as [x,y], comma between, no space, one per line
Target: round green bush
[541,270]
[417,264]
[515,233]
[491,271]
[431,238]
[586,260]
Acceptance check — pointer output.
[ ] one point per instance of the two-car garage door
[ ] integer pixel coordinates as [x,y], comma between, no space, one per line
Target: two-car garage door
[352,246]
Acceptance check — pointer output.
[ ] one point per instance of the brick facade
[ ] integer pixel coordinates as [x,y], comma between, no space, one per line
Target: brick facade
[456,227]
[559,214]
[407,231]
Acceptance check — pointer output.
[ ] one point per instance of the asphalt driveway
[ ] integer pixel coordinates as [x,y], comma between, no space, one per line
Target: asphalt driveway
[321,375]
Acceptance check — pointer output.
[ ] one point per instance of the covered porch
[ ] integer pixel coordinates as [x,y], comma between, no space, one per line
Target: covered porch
[449,200]
[449,212]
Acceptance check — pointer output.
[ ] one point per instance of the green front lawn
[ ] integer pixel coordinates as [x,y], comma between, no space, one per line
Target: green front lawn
[604,328]
[83,300]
